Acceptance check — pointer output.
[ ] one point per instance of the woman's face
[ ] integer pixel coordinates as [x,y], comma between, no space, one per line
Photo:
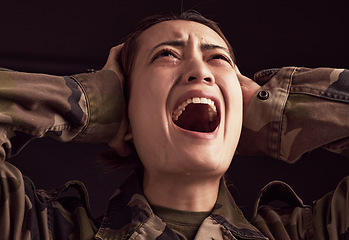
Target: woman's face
[185,106]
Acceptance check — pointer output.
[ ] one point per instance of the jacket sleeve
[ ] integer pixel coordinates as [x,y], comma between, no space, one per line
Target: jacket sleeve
[295,111]
[84,107]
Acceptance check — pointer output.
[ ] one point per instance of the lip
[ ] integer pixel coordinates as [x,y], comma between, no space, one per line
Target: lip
[197,93]
[192,94]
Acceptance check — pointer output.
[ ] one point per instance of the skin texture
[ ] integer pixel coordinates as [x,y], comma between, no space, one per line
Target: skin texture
[176,58]
[183,170]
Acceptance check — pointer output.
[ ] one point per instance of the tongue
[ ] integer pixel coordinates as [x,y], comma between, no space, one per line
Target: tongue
[195,118]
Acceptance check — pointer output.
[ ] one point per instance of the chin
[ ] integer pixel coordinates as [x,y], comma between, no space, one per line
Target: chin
[207,162]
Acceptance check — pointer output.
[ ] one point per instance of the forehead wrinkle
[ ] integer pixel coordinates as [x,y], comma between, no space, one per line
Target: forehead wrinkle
[182,43]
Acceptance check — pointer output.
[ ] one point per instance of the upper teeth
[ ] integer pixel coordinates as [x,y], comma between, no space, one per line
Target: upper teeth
[212,110]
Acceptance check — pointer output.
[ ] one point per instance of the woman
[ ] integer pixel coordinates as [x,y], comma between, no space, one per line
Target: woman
[184,116]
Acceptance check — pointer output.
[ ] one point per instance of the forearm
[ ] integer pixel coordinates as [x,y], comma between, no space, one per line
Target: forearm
[83,107]
[305,109]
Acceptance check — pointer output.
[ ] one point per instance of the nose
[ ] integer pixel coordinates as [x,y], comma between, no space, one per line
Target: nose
[197,71]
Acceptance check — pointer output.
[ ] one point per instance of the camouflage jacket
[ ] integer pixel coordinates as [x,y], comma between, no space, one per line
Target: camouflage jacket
[79,108]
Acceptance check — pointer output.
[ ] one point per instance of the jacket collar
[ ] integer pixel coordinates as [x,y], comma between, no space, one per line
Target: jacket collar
[129,216]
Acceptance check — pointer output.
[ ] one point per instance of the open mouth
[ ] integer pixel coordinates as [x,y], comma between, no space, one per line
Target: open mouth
[197,114]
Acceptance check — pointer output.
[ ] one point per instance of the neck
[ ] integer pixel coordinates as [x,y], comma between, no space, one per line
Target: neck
[184,192]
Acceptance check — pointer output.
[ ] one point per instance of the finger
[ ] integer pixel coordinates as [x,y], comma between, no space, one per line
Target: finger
[113,62]
[248,88]
[245,81]
[113,55]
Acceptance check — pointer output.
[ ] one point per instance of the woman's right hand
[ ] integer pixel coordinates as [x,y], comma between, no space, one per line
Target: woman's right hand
[121,141]
[113,62]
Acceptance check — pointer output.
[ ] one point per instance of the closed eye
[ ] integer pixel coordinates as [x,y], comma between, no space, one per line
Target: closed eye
[165,53]
[221,57]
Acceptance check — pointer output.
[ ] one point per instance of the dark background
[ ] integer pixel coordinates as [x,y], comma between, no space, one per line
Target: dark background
[67,37]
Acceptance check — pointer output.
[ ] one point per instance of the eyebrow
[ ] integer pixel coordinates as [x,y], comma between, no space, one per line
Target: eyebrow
[181,43]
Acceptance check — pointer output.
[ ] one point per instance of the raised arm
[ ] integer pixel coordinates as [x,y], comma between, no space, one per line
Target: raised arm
[295,111]
[66,108]
[86,107]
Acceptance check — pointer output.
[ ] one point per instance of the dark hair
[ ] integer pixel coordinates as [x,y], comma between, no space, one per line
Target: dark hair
[131,44]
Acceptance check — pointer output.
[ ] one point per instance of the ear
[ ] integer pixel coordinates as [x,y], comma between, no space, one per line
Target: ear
[121,142]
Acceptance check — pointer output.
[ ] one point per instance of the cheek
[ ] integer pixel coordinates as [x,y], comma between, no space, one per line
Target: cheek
[150,90]
[147,116]
[231,91]
[237,95]
[147,104]
[234,113]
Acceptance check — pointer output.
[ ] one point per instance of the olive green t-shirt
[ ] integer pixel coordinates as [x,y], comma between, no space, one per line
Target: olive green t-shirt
[184,224]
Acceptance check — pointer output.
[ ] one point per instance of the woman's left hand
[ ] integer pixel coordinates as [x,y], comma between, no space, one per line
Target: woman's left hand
[248,87]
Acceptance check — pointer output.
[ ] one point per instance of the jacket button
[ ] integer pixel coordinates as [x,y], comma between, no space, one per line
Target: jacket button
[263,95]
